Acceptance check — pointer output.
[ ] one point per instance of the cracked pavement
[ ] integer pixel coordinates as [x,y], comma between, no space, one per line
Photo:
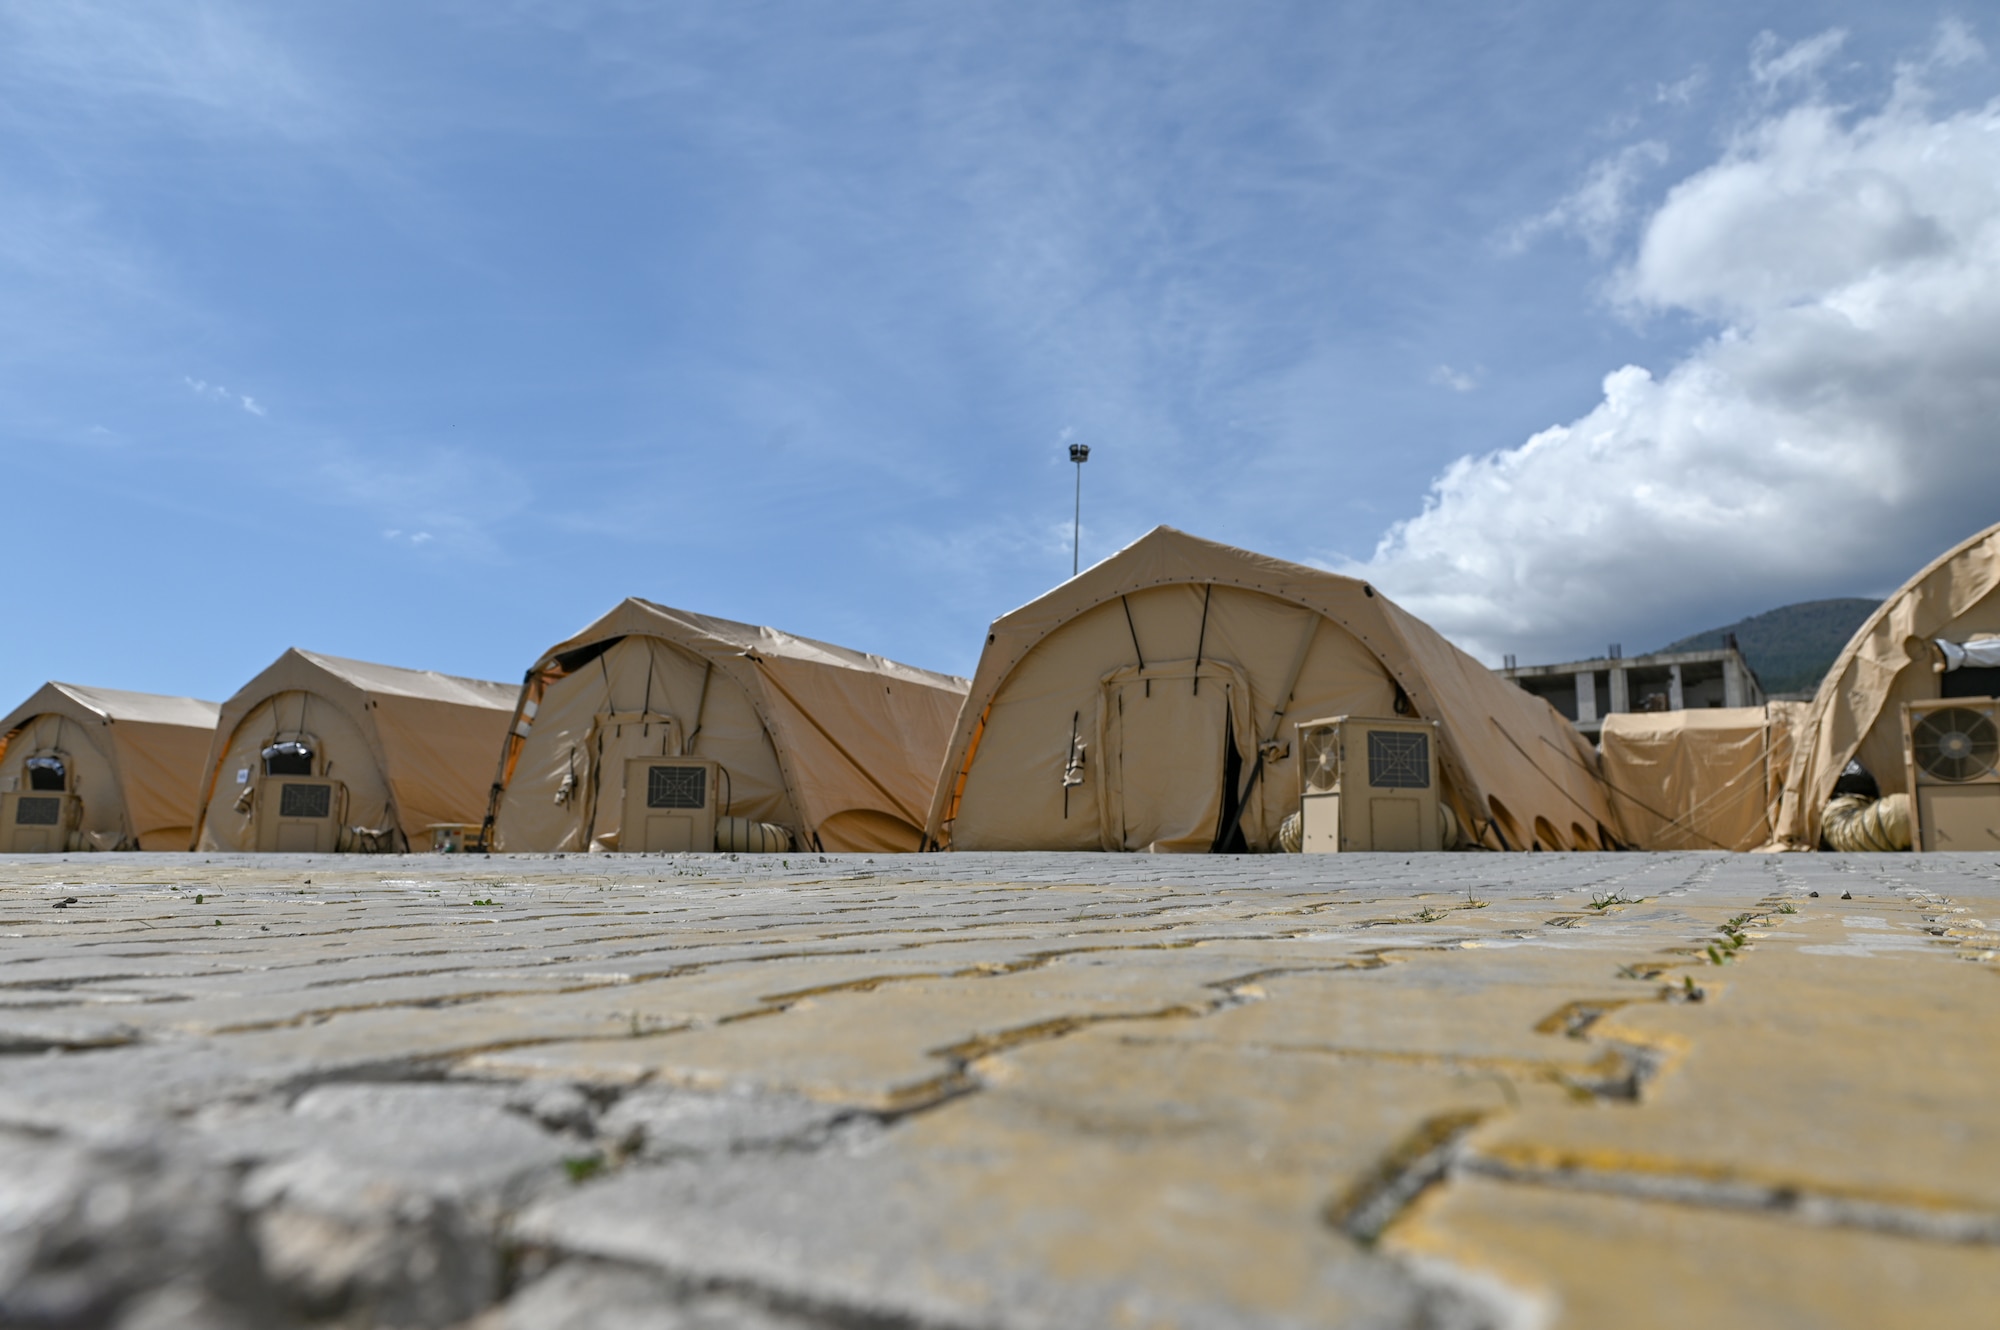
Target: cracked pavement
[981,1090]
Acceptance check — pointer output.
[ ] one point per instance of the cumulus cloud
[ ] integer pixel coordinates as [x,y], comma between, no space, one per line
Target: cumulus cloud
[1839,427]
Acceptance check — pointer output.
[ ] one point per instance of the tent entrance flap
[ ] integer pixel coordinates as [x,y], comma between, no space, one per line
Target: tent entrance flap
[616,738]
[1168,754]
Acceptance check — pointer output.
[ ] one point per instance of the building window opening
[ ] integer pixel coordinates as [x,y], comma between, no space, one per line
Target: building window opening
[293,757]
[47,773]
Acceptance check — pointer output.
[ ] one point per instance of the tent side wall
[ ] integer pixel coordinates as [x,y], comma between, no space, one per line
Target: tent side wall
[1693,780]
[160,767]
[436,756]
[1787,721]
[863,748]
[1856,713]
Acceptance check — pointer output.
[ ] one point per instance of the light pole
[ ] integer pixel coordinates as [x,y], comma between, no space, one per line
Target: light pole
[1078,453]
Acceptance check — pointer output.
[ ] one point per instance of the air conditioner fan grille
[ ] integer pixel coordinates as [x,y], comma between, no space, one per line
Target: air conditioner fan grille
[1321,755]
[1955,744]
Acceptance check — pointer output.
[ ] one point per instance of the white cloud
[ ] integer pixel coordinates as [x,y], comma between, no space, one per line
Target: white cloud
[1598,210]
[1956,45]
[1840,426]
[1458,380]
[1774,65]
[215,392]
[210,60]
[444,495]
[1681,91]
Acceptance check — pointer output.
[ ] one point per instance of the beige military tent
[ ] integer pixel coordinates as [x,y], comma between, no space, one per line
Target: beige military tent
[100,769]
[320,753]
[1704,779]
[1892,660]
[1144,703]
[807,744]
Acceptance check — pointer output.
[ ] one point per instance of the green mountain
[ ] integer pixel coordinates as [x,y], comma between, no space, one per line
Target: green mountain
[1793,646]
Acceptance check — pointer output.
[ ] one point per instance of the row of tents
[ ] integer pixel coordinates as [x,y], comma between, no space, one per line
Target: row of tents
[1148,704]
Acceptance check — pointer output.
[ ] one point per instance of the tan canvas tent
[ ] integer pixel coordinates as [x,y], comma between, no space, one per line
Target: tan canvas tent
[817,745]
[101,769]
[321,753]
[1890,661]
[1129,708]
[1710,778]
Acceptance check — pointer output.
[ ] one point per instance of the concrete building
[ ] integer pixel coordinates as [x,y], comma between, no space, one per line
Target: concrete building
[1586,691]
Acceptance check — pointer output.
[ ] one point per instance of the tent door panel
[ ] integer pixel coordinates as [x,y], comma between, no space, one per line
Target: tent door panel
[1166,745]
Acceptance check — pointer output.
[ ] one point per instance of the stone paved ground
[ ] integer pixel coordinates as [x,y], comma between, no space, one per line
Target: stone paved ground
[1000,1090]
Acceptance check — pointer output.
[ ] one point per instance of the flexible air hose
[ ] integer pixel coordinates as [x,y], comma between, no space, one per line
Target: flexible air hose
[1288,834]
[740,835]
[1856,824]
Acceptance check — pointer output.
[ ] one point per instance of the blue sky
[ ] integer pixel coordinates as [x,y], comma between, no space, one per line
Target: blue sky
[423,333]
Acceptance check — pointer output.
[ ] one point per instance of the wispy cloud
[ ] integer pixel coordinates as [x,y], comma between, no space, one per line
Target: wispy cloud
[215,392]
[89,62]
[1774,65]
[1682,91]
[1598,211]
[423,493]
[1458,380]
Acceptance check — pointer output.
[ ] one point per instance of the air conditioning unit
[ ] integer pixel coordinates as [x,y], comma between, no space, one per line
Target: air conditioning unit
[299,814]
[1368,784]
[670,805]
[1951,758]
[36,821]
